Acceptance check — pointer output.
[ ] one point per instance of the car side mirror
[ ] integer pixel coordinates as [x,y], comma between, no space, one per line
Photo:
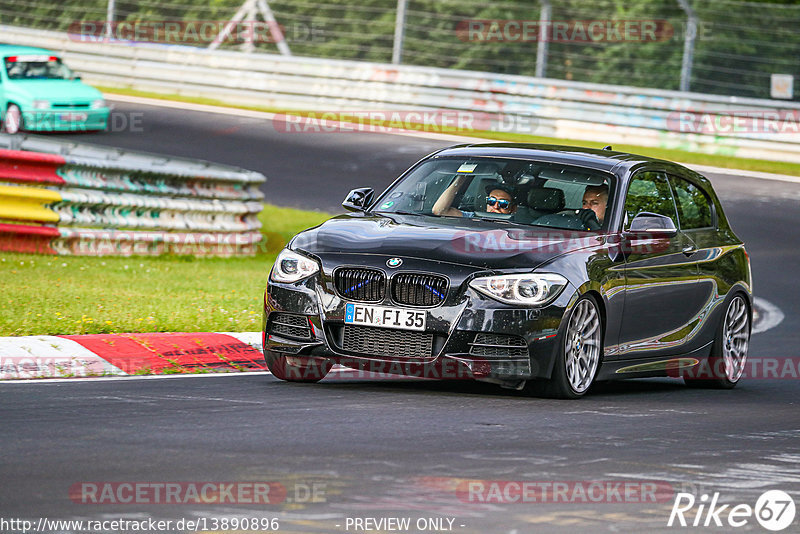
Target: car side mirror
[358,199]
[647,224]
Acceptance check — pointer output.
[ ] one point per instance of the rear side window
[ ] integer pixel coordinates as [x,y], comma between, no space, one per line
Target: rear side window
[650,192]
[694,206]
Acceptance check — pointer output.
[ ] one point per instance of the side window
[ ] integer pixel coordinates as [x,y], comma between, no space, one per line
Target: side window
[694,207]
[649,191]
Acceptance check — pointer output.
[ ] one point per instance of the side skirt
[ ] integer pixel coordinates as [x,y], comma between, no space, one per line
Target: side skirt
[653,367]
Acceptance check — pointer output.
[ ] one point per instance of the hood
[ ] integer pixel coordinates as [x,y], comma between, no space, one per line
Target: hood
[471,242]
[63,91]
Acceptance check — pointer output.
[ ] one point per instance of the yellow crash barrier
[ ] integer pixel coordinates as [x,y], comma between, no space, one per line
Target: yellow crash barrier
[27,204]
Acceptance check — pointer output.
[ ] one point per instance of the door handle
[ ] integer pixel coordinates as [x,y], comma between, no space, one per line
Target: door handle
[688,250]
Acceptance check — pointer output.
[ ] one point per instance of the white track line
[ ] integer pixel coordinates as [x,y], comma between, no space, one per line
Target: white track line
[130,377]
[769,315]
[126,378]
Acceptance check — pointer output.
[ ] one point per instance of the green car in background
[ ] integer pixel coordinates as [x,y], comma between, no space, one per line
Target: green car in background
[39,93]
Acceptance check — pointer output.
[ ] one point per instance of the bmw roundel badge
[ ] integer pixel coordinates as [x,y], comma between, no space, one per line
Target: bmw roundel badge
[394,262]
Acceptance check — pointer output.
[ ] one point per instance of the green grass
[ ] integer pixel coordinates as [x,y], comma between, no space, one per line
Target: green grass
[680,153]
[88,295]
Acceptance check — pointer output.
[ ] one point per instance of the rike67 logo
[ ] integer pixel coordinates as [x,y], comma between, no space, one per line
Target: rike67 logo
[774,510]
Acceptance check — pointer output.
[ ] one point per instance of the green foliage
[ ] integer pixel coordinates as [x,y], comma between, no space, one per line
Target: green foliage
[739,43]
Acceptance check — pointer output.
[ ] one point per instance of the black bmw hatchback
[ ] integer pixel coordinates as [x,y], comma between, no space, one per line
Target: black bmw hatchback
[536,267]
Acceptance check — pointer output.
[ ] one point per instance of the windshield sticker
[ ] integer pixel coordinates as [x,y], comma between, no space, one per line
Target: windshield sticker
[467,167]
[387,205]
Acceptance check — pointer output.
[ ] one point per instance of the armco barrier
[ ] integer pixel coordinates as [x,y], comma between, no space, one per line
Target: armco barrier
[89,200]
[30,167]
[27,204]
[26,238]
[558,108]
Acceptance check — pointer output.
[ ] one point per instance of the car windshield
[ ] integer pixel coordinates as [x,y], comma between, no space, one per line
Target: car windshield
[518,191]
[36,68]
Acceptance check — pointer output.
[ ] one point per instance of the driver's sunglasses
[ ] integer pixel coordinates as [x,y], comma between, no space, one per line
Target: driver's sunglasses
[503,204]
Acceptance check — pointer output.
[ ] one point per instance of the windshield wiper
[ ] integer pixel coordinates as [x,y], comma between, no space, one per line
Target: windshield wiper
[396,213]
[492,219]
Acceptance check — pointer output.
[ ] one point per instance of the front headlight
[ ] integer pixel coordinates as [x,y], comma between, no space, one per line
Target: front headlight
[98,104]
[531,289]
[40,104]
[291,267]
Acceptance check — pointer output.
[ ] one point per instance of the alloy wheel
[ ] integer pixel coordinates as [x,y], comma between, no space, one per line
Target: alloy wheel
[735,338]
[582,349]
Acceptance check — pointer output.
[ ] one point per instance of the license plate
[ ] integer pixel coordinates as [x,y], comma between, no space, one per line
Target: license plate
[73,117]
[384,317]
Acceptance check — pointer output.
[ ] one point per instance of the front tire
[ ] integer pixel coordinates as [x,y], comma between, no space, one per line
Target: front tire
[579,355]
[297,369]
[12,122]
[728,356]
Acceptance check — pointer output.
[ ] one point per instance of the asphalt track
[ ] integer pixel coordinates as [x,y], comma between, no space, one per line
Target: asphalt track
[399,448]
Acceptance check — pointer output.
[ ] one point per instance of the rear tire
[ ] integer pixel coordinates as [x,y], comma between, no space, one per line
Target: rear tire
[728,356]
[579,356]
[12,122]
[297,368]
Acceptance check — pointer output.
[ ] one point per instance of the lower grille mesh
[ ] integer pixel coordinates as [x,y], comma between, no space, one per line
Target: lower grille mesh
[289,325]
[498,346]
[387,342]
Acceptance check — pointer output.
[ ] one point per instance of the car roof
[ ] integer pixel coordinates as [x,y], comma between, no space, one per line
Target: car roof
[605,160]
[12,50]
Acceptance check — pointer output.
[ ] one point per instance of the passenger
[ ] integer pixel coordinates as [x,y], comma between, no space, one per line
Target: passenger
[595,198]
[500,199]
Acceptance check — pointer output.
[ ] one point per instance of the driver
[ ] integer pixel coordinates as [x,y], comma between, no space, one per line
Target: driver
[500,198]
[595,199]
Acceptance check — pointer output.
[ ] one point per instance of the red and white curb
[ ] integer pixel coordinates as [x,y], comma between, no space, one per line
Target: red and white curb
[28,357]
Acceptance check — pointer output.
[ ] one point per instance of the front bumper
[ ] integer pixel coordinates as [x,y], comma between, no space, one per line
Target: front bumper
[67,119]
[454,326]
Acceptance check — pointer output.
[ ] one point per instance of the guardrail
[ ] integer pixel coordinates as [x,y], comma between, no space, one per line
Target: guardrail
[557,108]
[106,201]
